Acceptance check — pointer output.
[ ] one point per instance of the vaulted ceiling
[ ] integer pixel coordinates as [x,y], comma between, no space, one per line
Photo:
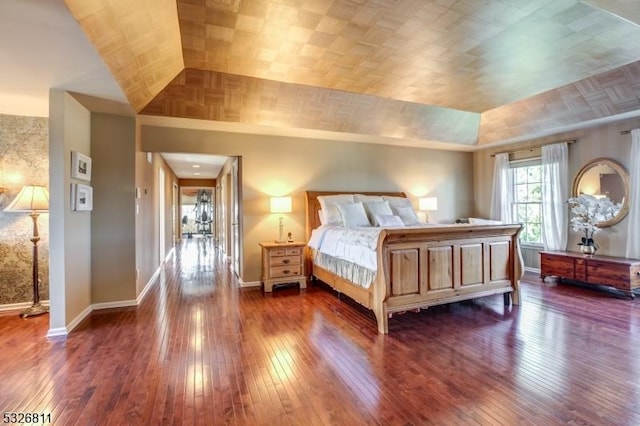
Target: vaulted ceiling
[462,72]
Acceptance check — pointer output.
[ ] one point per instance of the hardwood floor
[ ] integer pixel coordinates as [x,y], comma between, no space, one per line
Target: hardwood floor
[199,350]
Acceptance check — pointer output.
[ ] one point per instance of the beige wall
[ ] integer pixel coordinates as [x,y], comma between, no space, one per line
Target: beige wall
[601,141]
[147,232]
[146,257]
[273,166]
[70,231]
[113,268]
[96,255]
[171,211]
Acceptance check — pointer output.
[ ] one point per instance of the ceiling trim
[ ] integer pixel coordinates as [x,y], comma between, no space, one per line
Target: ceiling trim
[254,129]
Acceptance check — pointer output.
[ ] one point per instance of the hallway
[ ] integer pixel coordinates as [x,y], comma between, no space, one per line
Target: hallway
[199,350]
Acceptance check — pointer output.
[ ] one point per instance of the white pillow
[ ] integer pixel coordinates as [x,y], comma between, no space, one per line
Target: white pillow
[407,214]
[367,198]
[328,204]
[397,201]
[353,215]
[388,220]
[323,221]
[377,208]
[478,221]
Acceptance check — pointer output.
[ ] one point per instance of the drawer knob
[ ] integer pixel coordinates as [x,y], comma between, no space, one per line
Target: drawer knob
[286,271]
[285,261]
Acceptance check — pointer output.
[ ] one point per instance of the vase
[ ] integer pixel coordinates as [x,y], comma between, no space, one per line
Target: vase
[588,250]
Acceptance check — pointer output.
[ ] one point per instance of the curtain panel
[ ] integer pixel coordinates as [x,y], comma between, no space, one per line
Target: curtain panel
[633,232]
[555,192]
[501,196]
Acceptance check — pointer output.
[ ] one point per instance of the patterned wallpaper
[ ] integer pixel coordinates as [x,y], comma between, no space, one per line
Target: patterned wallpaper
[24,159]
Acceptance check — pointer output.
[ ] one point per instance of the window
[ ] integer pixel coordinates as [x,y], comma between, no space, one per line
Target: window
[527,200]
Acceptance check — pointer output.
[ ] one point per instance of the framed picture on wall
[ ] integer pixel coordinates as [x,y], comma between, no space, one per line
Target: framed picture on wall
[80,166]
[81,197]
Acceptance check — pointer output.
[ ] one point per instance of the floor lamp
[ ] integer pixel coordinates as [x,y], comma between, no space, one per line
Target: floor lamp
[33,199]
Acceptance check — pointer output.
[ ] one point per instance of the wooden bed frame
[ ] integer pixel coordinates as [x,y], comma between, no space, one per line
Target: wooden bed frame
[422,267]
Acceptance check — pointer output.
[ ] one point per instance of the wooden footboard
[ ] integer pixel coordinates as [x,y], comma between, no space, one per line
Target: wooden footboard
[418,268]
[422,267]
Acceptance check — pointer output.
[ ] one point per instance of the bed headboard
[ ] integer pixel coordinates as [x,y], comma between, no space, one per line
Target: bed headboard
[313,206]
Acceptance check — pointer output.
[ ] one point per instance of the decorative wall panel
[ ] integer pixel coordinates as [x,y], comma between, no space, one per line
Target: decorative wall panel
[24,159]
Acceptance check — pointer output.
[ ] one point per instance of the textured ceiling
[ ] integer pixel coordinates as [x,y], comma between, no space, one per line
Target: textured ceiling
[451,71]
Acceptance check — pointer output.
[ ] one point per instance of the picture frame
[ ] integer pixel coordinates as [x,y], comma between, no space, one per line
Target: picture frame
[81,197]
[80,166]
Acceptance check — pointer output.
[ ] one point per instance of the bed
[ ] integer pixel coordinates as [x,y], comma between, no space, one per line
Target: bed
[418,266]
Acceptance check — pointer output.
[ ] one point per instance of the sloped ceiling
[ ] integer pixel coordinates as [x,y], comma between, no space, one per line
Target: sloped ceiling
[138,40]
[461,72]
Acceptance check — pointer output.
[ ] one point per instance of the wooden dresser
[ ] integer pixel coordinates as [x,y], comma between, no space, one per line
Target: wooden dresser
[618,272]
[282,263]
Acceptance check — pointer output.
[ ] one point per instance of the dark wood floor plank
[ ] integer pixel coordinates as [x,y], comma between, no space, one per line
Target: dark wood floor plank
[201,350]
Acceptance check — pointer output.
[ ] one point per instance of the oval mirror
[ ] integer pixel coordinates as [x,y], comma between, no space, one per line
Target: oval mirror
[603,177]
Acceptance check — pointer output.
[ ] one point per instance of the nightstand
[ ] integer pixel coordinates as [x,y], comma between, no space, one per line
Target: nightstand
[282,263]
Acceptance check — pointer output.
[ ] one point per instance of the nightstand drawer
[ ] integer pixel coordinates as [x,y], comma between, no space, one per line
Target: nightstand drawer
[293,251]
[285,271]
[284,260]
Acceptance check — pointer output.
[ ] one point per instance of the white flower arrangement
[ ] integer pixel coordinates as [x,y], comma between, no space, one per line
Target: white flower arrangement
[588,211]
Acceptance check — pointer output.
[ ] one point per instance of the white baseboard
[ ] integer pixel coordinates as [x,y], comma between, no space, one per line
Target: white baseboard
[170,254]
[148,285]
[58,332]
[77,320]
[535,270]
[64,331]
[249,283]
[20,306]
[110,305]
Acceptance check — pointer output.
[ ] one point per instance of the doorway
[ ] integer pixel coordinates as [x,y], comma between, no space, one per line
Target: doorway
[230,214]
[197,211]
[236,222]
[161,215]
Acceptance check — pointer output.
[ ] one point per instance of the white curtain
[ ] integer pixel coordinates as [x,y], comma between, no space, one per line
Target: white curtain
[555,192]
[502,197]
[633,232]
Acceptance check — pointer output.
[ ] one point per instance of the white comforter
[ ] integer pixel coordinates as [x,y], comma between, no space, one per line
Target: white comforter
[357,245]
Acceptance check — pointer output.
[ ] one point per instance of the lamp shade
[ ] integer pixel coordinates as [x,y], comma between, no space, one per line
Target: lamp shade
[32,198]
[428,204]
[280,204]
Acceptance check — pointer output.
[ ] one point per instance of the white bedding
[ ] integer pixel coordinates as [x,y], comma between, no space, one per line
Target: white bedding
[357,245]
[350,253]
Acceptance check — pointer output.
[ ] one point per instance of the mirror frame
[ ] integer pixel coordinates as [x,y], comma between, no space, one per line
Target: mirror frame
[619,168]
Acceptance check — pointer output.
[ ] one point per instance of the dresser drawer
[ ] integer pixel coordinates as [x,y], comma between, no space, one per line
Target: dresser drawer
[560,266]
[609,274]
[285,271]
[580,270]
[284,260]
